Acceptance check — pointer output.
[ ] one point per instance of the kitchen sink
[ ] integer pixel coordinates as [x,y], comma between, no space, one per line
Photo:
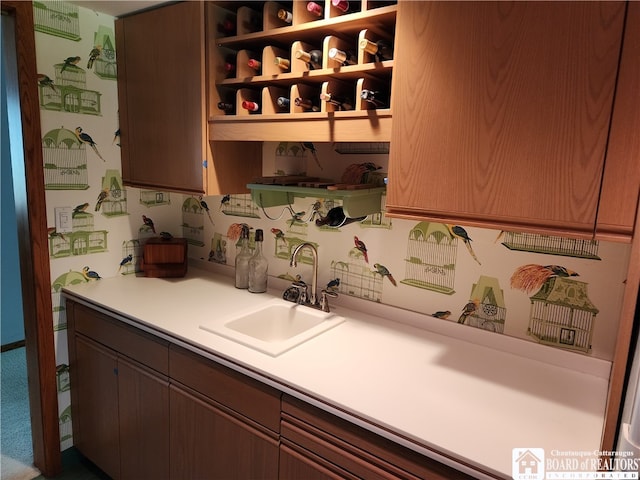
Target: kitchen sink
[275,327]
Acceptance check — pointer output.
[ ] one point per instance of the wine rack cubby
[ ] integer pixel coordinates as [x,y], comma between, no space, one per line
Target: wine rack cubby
[264,34]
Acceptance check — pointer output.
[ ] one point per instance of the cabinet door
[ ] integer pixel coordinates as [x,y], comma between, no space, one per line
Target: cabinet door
[501,111]
[621,183]
[294,465]
[161,97]
[94,380]
[207,442]
[144,422]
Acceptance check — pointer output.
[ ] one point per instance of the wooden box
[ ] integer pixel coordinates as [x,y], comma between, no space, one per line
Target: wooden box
[165,258]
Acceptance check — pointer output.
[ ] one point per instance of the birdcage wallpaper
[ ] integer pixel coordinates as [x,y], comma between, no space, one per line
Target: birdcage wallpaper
[131,247]
[289,159]
[62,377]
[193,222]
[218,251]
[534,242]
[104,65]
[297,227]
[82,240]
[490,312]
[357,279]
[69,93]
[431,258]
[65,161]
[115,195]
[65,427]
[239,206]
[284,247]
[153,198]
[562,315]
[58,18]
[59,306]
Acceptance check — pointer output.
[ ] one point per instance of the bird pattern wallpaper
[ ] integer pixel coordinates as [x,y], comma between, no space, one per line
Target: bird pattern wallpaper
[555,292]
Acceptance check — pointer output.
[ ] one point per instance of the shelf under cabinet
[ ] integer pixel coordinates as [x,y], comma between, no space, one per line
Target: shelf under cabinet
[355,203]
[348,126]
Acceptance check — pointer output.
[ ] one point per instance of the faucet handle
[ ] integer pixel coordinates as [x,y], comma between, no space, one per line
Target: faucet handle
[324,301]
[303,291]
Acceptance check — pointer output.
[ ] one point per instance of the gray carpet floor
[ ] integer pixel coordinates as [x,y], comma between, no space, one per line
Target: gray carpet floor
[15,439]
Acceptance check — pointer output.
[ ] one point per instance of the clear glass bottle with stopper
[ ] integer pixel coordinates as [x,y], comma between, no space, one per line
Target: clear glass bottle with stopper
[258,267]
[242,259]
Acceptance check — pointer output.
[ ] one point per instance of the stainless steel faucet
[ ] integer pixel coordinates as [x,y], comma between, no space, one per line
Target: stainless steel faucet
[313,297]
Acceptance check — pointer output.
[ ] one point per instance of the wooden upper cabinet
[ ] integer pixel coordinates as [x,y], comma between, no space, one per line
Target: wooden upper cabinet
[161,96]
[621,182]
[502,111]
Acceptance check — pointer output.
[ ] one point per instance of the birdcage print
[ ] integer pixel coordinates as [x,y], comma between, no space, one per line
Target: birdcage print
[218,252]
[378,219]
[284,247]
[70,99]
[239,206]
[70,75]
[552,245]
[58,18]
[133,248]
[357,280]
[65,425]
[105,65]
[491,312]
[289,159]
[562,315]
[193,222]
[65,161]
[115,202]
[297,227]
[83,240]
[431,258]
[62,378]
[58,303]
[153,198]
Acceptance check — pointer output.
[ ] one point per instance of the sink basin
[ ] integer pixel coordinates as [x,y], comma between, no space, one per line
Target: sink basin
[275,327]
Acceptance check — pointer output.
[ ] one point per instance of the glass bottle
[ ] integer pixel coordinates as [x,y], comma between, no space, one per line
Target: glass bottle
[313,59]
[343,57]
[382,49]
[242,259]
[258,266]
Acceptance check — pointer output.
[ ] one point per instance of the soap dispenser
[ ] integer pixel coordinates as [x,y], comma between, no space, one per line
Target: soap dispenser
[242,259]
[258,266]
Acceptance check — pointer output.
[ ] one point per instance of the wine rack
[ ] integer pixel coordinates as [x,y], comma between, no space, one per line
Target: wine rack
[277,38]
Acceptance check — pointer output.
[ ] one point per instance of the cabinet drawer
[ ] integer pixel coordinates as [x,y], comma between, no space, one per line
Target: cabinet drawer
[238,392]
[353,448]
[126,340]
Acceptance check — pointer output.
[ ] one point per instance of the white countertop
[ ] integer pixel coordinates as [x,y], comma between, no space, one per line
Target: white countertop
[469,394]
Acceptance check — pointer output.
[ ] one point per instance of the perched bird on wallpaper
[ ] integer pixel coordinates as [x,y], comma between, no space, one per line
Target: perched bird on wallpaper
[86,138]
[361,247]
[102,196]
[225,200]
[79,209]
[459,232]
[125,261]
[311,147]
[93,54]
[333,284]
[68,62]
[90,274]
[296,217]
[279,235]
[444,314]
[384,271]
[51,231]
[116,135]
[204,205]
[45,81]
[530,278]
[166,236]
[149,223]
[468,309]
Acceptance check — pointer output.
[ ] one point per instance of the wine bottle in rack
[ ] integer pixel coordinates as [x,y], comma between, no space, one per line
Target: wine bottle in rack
[375,98]
[227,26]
[312,58]
[227,108]
[382,49]
[285,15]
[342,103]
[282,62]
[255,64]
[344,57]
[253,107]
[306,103]
[344,6]
[283,103]
[315,8]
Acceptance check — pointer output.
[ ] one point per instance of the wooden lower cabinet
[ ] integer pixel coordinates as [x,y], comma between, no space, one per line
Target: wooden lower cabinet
[208,442]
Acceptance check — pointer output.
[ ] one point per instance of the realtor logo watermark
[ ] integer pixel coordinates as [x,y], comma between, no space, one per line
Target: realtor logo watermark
[536,464]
